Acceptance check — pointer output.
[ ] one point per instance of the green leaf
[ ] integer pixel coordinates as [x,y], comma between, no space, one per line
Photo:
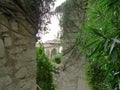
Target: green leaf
[90,44]
[106,44]
[112,47]
[113,55]
[98,49]
[99,34]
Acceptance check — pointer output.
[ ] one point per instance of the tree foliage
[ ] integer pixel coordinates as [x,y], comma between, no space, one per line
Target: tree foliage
[35,12]
[103,28]
[44,71]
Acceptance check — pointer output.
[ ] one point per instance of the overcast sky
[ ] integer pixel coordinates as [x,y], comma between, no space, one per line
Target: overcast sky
[54,26]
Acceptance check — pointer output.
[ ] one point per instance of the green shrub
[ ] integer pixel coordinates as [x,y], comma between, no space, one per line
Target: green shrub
[95,76]
[57,58]
[44,71]
[102,26]
[103,75]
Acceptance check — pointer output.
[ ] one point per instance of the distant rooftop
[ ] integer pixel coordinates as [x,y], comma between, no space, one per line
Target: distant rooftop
[54,41]
[50,43]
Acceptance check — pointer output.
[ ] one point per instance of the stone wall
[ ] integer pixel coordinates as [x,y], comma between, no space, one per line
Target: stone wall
[17,56]
[72,74]
[73,77]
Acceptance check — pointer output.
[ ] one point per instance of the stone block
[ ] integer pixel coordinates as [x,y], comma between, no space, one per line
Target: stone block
[29,85]
[3,28]
[26,85]
[14,25]
[2,79]
[7,41]
[2,50]
[8,80]
[4,23]
[18,65]
[5,81]
[6,71]
[2,62]
[10,87]
[31,69]
[21,73]
[30,54]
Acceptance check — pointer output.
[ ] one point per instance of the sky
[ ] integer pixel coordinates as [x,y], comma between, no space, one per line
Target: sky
[54,26]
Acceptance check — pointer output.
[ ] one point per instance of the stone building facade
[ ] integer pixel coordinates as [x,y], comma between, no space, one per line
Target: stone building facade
[52,47]
[17,56]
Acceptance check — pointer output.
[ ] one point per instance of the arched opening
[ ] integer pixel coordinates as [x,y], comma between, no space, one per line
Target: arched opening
[53,52]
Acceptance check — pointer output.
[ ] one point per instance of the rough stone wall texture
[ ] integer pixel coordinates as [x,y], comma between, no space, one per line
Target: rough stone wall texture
[72,76]
[17,57]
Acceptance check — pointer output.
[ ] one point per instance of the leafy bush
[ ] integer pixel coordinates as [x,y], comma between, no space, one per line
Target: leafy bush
[103,75]
[58,58]
[95,76]
[102,27]
[44,71]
